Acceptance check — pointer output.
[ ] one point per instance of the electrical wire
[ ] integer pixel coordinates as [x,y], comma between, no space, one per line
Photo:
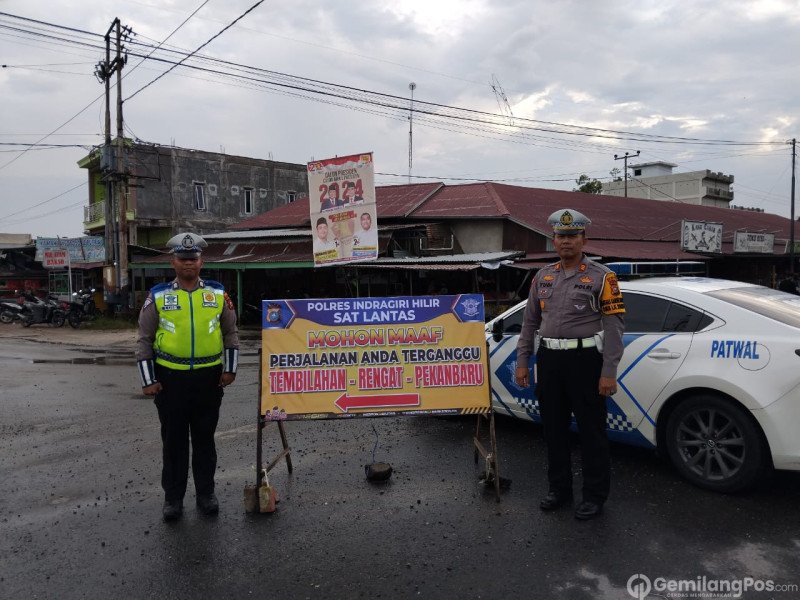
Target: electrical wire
[224,29]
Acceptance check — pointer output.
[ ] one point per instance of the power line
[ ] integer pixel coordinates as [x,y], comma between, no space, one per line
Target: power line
[394,104]
[27,208]
[162,42]
[224,29]
[397,103]
[64,124]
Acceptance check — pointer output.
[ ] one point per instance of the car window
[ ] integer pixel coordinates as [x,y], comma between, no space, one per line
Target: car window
[765,301]
[512,324]
[645,313]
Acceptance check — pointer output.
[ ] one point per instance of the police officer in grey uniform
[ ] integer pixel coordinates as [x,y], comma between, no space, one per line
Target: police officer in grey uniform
[187,350]
[575,312]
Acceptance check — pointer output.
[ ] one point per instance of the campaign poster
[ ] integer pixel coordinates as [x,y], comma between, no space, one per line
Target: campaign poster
[372,357]
[344,225]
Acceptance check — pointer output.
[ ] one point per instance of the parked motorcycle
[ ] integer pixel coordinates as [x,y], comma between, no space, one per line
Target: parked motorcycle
[42,310]
[82,308]
[10,311]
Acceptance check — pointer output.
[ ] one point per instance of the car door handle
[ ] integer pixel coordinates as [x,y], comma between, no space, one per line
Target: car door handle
[663,353]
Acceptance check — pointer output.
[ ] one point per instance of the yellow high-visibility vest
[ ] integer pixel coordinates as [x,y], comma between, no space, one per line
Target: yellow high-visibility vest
[189,334]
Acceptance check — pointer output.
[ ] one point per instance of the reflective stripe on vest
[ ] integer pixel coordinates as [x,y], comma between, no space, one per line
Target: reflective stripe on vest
[189,334]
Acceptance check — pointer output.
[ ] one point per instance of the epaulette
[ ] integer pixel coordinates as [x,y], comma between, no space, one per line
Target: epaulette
[211,283]
[161,287]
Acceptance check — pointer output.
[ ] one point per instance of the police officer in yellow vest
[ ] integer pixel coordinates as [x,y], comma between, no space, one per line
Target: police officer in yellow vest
[187,350]
[576,311]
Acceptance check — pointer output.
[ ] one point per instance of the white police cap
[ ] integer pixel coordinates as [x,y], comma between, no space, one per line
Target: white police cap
[186,245]
[568,221]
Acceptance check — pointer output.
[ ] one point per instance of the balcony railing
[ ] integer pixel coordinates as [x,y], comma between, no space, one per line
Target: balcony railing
[719,193]
[94,213]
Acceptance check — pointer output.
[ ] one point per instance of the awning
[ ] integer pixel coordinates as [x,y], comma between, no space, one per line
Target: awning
[639,250]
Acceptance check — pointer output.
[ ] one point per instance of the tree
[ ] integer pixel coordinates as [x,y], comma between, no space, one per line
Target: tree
[588,186]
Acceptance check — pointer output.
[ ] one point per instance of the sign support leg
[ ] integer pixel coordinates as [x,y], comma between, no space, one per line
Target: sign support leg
[260,424]
[489,456]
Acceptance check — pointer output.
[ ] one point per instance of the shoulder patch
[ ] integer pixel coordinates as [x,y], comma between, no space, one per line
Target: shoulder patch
[611,301]
[228,300]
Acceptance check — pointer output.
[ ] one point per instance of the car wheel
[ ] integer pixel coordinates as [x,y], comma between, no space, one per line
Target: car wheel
[716,445]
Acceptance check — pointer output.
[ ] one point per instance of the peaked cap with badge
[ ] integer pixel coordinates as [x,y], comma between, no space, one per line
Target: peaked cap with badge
[568,222]
[186,245]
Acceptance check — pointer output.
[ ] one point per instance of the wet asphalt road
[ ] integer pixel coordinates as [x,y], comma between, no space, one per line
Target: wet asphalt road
[80,505]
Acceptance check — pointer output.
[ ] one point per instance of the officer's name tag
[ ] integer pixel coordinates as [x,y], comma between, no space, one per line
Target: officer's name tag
[210,304]
[171,307]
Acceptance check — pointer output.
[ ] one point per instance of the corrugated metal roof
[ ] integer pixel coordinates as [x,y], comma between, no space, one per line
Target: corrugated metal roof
[260,234]
[391,201]
[629,228]
[404,200]
[477,200]
[638,250]
[248,252]
[454,258]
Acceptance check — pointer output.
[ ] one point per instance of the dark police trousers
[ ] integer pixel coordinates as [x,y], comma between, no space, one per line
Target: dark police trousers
[566,384]
[188,403]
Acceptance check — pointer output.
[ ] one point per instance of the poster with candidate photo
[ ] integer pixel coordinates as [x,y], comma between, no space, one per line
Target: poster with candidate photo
[344,226]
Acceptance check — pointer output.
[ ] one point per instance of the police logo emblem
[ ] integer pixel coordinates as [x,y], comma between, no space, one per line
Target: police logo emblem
[171,302]
[210,299]
[470,307]
[273,313]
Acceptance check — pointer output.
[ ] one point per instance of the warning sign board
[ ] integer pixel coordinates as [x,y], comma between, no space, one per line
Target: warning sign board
[356,357]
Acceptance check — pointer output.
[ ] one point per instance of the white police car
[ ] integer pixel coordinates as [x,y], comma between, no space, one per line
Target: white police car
[710,375]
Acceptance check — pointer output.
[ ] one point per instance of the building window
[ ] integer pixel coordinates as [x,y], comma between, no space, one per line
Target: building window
[199,196]
[292,196]
[248,201]
[637,172]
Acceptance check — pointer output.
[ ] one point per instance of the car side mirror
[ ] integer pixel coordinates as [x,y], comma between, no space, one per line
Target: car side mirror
[497,330]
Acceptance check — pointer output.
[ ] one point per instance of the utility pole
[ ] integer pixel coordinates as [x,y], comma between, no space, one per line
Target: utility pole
[103,73]
[116,226]
[122,180]
[412,86]
[791,224]
[625,158]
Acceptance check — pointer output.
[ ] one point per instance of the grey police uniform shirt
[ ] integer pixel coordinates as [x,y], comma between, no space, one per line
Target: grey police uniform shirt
[575,304]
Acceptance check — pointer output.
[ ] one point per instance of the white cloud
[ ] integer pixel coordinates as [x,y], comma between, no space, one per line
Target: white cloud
[704,69]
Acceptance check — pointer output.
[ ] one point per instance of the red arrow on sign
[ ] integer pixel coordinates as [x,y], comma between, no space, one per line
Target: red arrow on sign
[345,402]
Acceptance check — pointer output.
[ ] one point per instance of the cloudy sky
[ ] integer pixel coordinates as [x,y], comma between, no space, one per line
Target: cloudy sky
[527,92]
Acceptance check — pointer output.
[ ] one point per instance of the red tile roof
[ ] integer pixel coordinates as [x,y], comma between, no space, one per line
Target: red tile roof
[392,201]
[613,217]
